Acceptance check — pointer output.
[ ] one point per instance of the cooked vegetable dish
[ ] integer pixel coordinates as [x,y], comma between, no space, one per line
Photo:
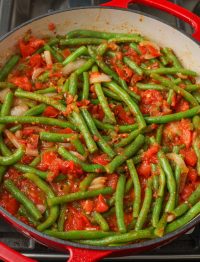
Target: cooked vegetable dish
[99,137]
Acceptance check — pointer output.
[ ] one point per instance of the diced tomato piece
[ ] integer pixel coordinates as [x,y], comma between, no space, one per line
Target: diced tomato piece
[112,180]
[189,155]
[29,47]
[96,111]
[47,158]
[66,52]
[9,203]
[82,103]
[187,191]
[101,205]
[123,116]
[182,105]
[22,82]
[102,159]
[124,72]
[88,205]
[66,131]
[50,112]
[32,141]
[148,50]
[151,153]
[192,175]
[144,169]
[27,159]
[51,27]
[151,102]
[36,61]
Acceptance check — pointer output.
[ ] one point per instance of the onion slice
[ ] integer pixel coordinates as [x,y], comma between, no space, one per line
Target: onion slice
[47,57]
[12,138]
[97,77]
[72,66]
[18,110]
[37,72]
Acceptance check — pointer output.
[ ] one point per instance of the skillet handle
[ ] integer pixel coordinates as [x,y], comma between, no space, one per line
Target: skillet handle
[9,255]
[166,6]
[87,255]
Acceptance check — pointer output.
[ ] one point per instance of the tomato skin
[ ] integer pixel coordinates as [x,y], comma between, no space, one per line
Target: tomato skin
[101,159]
[22,82]
[189,155]
[101,205]
[36,61]
[51,27]
[50,112]
[144,169]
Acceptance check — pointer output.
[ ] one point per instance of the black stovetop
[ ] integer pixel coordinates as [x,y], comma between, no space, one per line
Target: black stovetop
[15,12]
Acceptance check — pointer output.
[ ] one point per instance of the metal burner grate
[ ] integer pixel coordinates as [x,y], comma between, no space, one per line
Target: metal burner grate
[15,12]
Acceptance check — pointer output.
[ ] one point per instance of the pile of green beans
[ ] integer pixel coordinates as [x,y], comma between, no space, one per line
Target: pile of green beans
[90,145]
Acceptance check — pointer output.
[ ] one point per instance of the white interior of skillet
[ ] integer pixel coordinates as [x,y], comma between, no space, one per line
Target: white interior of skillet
[113,20]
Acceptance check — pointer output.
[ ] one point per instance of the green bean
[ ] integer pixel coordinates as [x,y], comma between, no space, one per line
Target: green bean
[7,85]
[36,110]
[122,129]
[182,208]
[36,120]
[192,88]
[51,42]
[159,134]
[126,39]
[127,140]
[81,41]
[101,142]
[9,65]
[41,98]
[35,161]
[192,213]
[127,153]
[142,217]
[3,170]
[73,56]
[171,57]
[173,117]
[137,188]
[171,70]
[110,94]
[65,88]
[169,84]
[86,85]
[196,96]
[134,46]
[85,67]
[5,110]
[85,183]
[128,101]
[62,217]
[63,138]
[54,211]
[129,185]
[99,219]
[21,198]
[29,169]
[150,86]
[86,167]
[171,183]
[170,96]
[196,146]
[55,54]
[80,123]
[79,234]
[46,90]
[12,159]
[79,196]
[133,65]
[13,129]
[102,48]
[196,122]
[73,84]
[95,34]
[119,206]
[4,149]
[160,227]
[23,212]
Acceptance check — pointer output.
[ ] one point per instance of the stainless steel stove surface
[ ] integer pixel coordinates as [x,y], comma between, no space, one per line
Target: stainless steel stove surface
[15,12]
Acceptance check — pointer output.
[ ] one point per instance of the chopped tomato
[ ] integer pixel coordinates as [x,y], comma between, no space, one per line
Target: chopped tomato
[87,205]
[36,61]
[189,155]
[177,133]
[22,82]
[9,203]
[66,131]
[27,159]
[51,27]
[32,141]
[151,154]
[151,102]
[148,50]
[101,205]
[192,175]
[123,116]
[83,103]
[50,112]
[182,105]
[124,72]
[66,52]
[29,47]
[96,111]
[102,159]
[187,191]
[144,169]
[112,180]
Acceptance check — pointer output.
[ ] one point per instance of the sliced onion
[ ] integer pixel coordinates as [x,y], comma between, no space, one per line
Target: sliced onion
[47,57]
[12,138]
[3,94]
[72,66]
[37,72]
[31,152]
[182,76]
[99,77]
[42,208]
[18,134]
[18,110]
[46,145]
[23,101]
[78,155]
[98,183]
[179,161]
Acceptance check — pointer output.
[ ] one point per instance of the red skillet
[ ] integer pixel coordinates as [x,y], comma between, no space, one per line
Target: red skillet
[113,20]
